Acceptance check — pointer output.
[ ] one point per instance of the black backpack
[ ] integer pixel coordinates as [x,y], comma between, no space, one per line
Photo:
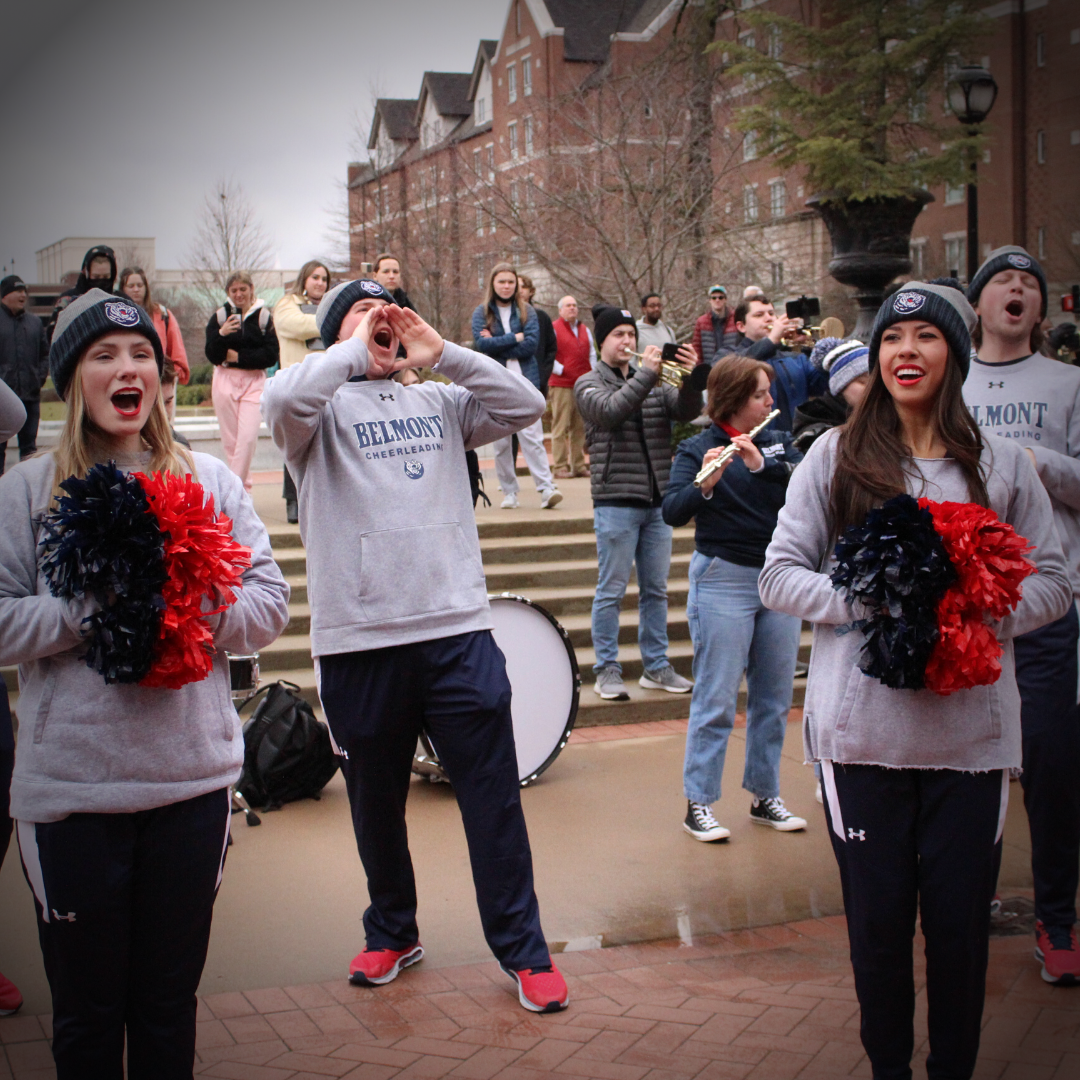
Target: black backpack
[287,752]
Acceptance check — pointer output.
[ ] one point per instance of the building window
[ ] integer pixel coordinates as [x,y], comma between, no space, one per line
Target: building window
[511,83]
[480,282]
[481,110]
[954,194]
[750,205]
[1042,241]
[1040,147]
[648,110]
[955,255]
[479,221]
[491,215]
[777,275]
[1040,50]
[526,76]
[777,198]
[491,162]
[528,136]
[513,195]
[749,146]
[776,43]
[511,135]
[917,254]
[477,164]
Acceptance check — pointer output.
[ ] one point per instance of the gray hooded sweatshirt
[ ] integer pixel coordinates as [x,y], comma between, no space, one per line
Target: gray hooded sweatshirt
[852,718]
[386,511]
[85,746]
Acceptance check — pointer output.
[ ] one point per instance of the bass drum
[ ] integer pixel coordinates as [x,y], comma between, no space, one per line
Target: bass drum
[543,671]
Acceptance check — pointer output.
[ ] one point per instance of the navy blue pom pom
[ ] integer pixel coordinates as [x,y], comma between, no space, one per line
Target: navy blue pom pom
[101,541]
[896,564]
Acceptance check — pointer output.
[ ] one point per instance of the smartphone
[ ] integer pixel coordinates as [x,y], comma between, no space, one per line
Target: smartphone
[669,351]
[806,308]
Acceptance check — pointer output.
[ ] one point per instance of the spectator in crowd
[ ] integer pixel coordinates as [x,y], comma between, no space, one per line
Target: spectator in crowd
[506,328]
[847,364]
[576,355]
[651,328]
[135,285]
[628,413]
[547,346]
[297,334]
[1019,396]
[753,292]
[734,514]
[241,344]
[714,332]
[98,272]
[24,361]
[168,398]
[387,272]
[762,331]
[12,418]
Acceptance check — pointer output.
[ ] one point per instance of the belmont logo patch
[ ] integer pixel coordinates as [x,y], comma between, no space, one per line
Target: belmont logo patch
[414,470]
[122,314]
[1021,262]
[372,288]
[626,313]
[907,302]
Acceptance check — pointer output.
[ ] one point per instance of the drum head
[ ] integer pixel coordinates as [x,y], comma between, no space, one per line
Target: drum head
[543,672]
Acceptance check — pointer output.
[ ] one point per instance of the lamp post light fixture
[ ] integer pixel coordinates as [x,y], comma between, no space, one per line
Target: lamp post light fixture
[971,95]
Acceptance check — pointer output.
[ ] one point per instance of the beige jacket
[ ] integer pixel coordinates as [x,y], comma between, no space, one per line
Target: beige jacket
[294,329]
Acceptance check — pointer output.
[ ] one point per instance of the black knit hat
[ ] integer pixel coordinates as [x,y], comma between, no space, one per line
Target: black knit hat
[335,305]
[606,318]
[88,317]
[1009,257]
[12,283]
[944,307]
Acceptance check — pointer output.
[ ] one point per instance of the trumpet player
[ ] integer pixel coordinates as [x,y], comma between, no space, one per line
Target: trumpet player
[628,411]
[735,511]
[762,335]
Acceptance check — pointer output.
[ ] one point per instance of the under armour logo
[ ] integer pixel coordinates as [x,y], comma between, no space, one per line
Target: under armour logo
[999,385]
[69,917]
[853,835]
[386,397]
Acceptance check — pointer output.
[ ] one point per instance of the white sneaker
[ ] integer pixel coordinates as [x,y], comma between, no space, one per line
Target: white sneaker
[510,502]
[550,498]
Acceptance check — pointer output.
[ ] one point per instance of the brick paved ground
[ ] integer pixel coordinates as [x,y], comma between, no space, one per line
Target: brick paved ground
[766,1004]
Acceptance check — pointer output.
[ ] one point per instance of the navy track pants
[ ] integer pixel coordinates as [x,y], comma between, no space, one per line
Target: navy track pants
[1046,673]
[454,688]
[124,904]
[917,843]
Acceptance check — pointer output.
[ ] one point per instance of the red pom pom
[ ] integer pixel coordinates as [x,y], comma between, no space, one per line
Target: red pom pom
[989,559]
[205,565]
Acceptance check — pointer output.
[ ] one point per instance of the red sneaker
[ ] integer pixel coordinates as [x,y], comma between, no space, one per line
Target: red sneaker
[541,989]
[376,967]
[10,998]
[1056,947]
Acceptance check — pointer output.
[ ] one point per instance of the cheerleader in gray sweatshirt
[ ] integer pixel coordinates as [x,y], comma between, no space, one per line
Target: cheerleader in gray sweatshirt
[120,792]
[915,784]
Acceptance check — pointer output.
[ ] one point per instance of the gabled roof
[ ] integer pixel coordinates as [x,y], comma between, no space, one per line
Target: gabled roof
[588,27]
[450,92]
[396,115]
[486,52]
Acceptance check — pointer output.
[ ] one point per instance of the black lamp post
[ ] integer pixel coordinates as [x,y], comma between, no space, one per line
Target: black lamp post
[971,92]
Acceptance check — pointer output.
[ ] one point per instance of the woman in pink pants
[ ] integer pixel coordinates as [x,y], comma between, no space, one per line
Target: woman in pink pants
[241,344]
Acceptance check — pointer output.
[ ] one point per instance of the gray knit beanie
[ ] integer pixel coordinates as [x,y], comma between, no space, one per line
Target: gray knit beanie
[334,306]
[945,308]
[1009,257]
[88,317]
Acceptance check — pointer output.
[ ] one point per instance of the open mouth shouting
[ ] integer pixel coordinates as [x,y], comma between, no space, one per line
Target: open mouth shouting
[383,338]
[1015,308]
[128,401]
[909,375]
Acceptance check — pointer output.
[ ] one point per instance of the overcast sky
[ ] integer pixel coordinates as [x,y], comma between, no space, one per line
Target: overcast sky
[120,114]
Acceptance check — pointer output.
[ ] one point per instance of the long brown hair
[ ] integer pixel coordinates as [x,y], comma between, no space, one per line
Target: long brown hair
[309,268]
[871,456]
[148,301]
[490,297]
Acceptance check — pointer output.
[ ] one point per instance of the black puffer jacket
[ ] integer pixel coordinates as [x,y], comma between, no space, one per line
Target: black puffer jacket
[24,353]
[628,429]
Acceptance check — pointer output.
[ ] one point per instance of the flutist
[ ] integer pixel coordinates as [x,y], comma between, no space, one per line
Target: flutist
[735,510]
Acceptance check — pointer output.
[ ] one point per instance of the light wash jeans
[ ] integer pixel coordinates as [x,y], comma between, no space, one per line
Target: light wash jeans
[626,535]
[734,632]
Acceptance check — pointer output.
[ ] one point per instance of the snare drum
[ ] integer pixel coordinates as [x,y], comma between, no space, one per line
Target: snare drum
[243,677]
[542,668]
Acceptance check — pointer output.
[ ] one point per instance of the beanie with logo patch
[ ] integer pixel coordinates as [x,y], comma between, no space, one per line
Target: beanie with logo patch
[1009,257]
[606,318]
[87,318]
[335,305]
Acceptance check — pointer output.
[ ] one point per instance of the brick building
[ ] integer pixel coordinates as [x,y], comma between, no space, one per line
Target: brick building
[565,150]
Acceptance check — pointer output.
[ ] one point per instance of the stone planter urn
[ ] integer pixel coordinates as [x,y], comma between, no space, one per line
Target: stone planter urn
[870,242]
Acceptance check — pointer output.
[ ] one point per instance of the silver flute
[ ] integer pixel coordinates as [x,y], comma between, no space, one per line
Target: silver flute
[730,451]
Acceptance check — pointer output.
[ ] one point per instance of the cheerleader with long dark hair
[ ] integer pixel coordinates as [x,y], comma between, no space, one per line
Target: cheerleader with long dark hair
[907,540]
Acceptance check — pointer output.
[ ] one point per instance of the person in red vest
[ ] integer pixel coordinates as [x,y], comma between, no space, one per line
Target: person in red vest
[576,355]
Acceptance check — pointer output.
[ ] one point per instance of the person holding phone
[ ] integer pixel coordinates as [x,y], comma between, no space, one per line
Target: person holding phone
[241,344]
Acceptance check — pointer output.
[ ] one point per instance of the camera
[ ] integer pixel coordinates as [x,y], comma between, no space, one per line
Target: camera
[807,308]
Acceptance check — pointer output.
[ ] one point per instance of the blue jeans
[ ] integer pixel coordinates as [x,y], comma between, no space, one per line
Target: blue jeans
[626,535]
[734,632]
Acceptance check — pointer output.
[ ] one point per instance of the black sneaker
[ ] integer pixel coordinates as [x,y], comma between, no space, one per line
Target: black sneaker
[701,824]
[773,812]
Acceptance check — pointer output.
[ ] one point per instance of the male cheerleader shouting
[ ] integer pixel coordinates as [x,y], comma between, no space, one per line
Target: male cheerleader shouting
[400,625]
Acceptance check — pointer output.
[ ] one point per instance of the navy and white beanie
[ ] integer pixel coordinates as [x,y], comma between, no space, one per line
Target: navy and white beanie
[842,361]
[88,317]
[939,305]
[1009,257]
[606,318]
[334,306]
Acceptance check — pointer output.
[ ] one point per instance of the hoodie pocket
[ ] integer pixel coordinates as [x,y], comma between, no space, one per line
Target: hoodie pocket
[45,701]
[418,570]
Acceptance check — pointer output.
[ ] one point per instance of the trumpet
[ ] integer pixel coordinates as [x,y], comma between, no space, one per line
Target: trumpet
[729,451]
[670,372]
